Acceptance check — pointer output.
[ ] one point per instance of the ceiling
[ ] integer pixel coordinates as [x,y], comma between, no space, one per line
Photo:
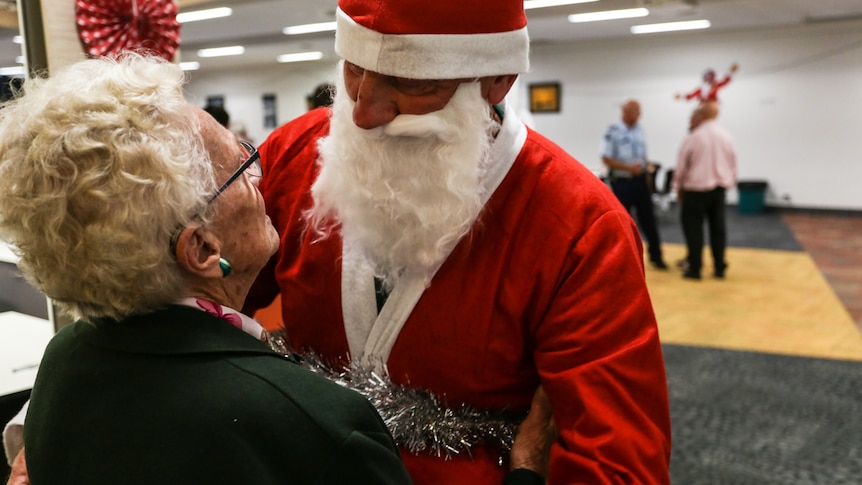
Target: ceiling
[257,24]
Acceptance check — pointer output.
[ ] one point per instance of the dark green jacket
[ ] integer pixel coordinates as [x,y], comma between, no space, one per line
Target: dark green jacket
[181,397]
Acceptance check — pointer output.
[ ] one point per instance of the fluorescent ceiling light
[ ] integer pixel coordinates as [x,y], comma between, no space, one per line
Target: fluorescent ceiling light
[212,13]
[19,59]
[608,15]
[12,71]
[301,57]
[670,27]
[18,39]
[309,28]
[190,66]
[234,50]
[529,4]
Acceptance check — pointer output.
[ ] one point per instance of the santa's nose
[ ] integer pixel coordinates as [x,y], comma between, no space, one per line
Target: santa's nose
[376,101]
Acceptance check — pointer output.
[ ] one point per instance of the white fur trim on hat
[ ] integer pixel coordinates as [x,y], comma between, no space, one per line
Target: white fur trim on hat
[432,56]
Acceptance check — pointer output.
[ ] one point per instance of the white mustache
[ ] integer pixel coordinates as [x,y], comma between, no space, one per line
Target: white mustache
[427,126]
[419,126]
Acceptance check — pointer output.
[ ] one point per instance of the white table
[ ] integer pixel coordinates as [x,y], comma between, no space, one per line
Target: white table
[6,254]
[23,339]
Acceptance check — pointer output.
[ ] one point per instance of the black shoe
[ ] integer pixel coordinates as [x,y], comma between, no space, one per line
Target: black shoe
[719,272]
[659,264]
[690,275]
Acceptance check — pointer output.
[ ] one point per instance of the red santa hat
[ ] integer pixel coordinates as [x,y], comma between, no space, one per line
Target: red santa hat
[434,39]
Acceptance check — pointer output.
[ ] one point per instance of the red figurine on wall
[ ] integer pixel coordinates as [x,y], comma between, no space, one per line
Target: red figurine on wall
[708,91]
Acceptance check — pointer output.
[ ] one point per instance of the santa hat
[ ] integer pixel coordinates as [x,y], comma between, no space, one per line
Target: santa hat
[434,39]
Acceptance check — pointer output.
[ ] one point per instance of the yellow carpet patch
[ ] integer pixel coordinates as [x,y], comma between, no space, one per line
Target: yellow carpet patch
[769,301]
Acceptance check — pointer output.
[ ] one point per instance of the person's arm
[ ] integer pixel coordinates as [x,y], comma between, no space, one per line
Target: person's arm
[682,166]
[368,455]
[608,154]
[613,164]
[734,165]
[364,458]
[720,84]
[531,449]
[19,471]
[727,77]
[600,360]
[694,94]
[13,434]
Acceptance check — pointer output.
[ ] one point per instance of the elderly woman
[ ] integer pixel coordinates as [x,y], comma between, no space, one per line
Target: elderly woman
[140,215]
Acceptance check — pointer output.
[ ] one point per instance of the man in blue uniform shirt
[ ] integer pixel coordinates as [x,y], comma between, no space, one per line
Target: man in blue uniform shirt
[624,153]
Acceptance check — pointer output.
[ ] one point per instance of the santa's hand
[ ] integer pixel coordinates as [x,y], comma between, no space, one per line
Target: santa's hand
[532,447]
[677,96]
[734,67]
[19,471]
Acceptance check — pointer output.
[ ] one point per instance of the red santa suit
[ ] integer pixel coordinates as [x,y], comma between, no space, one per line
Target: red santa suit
[548,288]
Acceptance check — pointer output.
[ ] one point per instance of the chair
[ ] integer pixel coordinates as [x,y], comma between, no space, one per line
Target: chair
[663,196]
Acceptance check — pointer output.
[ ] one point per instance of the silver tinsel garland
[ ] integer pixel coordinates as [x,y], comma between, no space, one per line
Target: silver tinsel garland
[418,420]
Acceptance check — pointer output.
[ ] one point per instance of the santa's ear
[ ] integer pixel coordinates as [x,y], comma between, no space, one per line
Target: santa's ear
[495,88]
[198,252]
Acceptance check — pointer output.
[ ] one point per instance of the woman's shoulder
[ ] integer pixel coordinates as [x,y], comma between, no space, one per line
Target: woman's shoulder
[320,398]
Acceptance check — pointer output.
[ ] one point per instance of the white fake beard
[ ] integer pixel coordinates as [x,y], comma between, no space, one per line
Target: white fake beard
[408,191]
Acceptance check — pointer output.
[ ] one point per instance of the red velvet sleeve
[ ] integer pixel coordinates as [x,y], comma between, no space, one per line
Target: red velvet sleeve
[694,94]
[286,156]
[601,363]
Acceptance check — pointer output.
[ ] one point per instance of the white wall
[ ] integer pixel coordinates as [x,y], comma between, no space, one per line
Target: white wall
[243,91]
[793,107]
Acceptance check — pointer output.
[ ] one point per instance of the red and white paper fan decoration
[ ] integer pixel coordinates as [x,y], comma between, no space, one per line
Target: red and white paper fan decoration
[108,27]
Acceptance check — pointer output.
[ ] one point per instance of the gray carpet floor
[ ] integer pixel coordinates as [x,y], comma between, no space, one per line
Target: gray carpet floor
[748,418]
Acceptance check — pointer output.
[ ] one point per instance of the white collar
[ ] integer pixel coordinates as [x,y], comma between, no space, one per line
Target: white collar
[236,318]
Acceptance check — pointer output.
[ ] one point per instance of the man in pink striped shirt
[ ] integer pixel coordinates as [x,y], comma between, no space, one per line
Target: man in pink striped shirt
[705,169]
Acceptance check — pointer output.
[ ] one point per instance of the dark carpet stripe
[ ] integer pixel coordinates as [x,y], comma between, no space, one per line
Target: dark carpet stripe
[763,231]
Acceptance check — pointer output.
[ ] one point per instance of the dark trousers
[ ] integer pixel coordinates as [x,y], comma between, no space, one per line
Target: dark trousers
[697,206]
[634,192]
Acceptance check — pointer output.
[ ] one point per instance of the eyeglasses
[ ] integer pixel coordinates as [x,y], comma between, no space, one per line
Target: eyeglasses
[251,166]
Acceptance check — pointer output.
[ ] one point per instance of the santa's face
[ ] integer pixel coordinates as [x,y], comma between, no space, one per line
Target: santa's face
[406,191]
[709,77]
[378,98]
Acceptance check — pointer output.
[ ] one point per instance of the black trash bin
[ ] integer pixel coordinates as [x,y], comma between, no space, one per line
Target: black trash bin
[752,194]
